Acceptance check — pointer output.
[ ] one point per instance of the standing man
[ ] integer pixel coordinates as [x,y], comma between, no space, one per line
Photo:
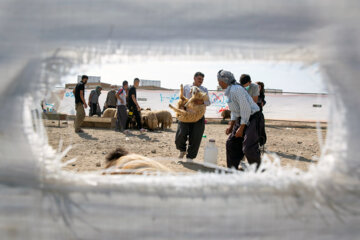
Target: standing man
[134,108]
[80,103]
[192,131]
[94,102]
[243,127]
[121,107]
[254,92]
[251,88]
[111,100]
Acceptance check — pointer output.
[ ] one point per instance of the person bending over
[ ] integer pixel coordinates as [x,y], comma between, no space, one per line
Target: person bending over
[243,127]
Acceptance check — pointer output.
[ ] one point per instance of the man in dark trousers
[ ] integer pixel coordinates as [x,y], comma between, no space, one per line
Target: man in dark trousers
[244,124]
[191,131]
[80,103]
[121,117]
[134,108]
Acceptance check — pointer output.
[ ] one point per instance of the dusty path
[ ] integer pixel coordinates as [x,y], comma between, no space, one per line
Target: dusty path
[296,143]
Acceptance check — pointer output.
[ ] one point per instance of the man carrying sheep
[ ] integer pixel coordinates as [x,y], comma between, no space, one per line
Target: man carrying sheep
[192,131]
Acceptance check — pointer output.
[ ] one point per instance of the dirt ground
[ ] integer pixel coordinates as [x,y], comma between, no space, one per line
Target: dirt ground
[295,143]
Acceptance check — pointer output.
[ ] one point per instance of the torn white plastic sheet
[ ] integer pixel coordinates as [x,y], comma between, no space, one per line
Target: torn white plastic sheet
[41,40]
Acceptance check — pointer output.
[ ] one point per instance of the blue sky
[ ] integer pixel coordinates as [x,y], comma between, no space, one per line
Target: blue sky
[288,76]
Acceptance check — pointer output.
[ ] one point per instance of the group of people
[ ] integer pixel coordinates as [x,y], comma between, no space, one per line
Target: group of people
[246,129]
[247,125]
[121,99]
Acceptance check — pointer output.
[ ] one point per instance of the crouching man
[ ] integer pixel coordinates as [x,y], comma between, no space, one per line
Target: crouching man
[243,127]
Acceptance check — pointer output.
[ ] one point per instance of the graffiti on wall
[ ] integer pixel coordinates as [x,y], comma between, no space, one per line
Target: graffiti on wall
[171,98]
[219,101]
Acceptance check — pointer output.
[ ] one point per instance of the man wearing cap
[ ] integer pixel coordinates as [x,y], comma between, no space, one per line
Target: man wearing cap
[244,138]
[191,131]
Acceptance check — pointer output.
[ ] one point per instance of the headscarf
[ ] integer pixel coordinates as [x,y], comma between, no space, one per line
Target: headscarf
[98,90]
[226,77]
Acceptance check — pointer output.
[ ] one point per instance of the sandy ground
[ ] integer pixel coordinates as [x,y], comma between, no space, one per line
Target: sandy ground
[295,143]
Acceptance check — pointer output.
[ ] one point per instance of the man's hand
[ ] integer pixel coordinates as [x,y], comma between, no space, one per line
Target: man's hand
[85,106]
[240,131]
[228,130]
[138,108]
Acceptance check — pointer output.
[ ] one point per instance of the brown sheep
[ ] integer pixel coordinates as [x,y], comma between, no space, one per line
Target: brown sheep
[164,119]
[226,114]
[109,113]
[149,120]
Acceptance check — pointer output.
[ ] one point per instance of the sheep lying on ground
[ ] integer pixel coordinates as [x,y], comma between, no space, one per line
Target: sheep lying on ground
[149,119]
[164,119]
[125,163]
[226,114]
[109,113]
[193,112]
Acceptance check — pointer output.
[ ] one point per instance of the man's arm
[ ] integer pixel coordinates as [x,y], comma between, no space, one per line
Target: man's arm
[256,94]
[118,97]
[134,99]
[90,96]
[82,98]
[255,98]
[230,128]
[245,112]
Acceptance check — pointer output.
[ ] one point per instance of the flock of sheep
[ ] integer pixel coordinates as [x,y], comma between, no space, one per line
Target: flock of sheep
[150,119]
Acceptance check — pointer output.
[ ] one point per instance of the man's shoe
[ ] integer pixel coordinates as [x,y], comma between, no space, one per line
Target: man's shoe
[79,131]
[182,154]
[189,160]
[142,130]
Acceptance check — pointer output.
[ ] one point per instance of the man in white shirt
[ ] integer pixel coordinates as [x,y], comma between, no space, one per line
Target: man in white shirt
[121,107]
[244,124]
[192,131]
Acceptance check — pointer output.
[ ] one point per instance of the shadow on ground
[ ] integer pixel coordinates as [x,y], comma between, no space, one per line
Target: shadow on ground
[294,157]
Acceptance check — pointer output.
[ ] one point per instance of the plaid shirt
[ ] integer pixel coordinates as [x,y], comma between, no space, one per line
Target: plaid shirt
[240,103]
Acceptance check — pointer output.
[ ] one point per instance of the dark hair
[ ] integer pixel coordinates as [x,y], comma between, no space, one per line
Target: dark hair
[261,84]
[136,80]
[199,74]
[84,77]
[125,83]
[244,79]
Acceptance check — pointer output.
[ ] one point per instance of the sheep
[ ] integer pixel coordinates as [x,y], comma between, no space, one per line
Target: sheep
[164,119]
[130,163]
[193,112]
[109,113]
[225,114]
[149,119]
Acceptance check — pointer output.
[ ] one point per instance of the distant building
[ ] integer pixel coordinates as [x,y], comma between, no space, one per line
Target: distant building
[150,83]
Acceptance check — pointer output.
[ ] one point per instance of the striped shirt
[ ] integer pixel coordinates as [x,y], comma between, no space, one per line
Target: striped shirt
[187,93]
[122,95]
[240,103]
